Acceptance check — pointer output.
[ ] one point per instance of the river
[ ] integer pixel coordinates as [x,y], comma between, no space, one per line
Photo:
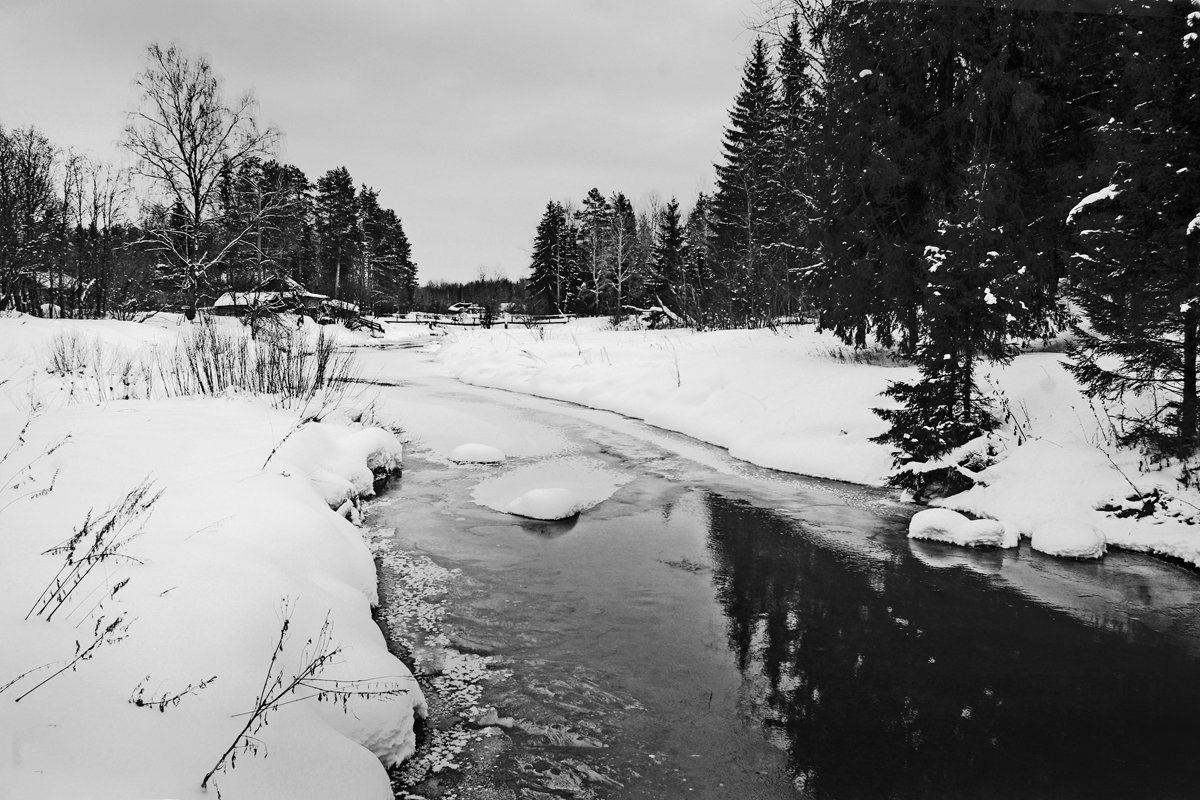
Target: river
[718,630]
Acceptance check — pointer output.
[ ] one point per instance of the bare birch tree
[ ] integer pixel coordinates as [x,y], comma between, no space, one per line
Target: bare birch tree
[184,134]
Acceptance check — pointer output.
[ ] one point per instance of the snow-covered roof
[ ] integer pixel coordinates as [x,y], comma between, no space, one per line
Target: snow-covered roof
[249,299]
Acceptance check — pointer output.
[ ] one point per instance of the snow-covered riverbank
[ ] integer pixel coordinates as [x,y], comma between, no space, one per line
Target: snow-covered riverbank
[800,402]
[241,541]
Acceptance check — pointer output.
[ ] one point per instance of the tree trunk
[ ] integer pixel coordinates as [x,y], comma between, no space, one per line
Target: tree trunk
[1191,318]
[966,374]
[1187,408]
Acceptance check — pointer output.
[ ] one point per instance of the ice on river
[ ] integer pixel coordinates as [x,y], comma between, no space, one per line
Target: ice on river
[555,488]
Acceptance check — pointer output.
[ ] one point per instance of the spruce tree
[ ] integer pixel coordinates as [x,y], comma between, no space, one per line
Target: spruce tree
[697,263]
[745,208]
[1137,253]
[797,130]
[985,264]
[879,126]
[337,229]
[594,221]
[622,249]
[289,238]
[553,281]
[387,272]
[667,260]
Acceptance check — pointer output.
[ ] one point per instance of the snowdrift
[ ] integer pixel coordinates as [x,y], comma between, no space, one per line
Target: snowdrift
[232,538]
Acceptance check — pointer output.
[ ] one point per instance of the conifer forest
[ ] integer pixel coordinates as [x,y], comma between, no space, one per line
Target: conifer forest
[948,179]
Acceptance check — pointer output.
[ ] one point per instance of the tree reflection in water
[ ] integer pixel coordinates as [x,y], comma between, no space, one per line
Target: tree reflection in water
[885,678]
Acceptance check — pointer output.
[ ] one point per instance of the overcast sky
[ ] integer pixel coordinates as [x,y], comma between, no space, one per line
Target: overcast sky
[466,115]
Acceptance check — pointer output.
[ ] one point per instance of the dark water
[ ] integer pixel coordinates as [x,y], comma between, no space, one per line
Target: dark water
[891,679]
[702,636]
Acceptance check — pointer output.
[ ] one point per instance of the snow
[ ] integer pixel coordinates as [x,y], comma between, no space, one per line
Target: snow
[1194,225]
[475,453]
[551,488]
[725,387]
[1068,538]
[1109,192]
[553,503]
[253,524]
[945,525]
[801,402]
[242,538]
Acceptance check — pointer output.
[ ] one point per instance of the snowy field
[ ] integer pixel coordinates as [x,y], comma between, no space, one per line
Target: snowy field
[151,553]
[801,402]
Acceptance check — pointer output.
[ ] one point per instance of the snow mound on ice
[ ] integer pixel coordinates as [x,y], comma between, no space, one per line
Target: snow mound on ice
[555,488]
[473,453]
[553,503]
[944,525]
[1068,538]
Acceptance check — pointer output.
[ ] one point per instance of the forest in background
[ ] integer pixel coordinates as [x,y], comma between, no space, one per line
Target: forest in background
[949,179]
[205,209]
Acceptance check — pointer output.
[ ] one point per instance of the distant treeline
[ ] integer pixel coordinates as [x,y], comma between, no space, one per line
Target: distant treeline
[494,294]
[216,212]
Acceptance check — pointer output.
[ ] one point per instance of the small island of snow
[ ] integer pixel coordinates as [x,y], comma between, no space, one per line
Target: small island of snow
[555,488]
[474,453]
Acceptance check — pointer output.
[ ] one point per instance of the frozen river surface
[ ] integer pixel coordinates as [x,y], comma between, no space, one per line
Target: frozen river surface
[714,630]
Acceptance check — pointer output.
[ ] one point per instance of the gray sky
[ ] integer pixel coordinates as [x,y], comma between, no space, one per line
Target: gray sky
[466,115]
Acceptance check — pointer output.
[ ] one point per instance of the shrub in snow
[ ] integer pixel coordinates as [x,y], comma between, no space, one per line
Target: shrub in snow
[1068,538]
[945,525]
[278,360]
[209,358]
[476,454]
[553,503]
[932,432]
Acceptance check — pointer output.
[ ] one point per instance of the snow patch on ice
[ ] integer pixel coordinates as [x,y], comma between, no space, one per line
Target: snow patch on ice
[552,489]
[550,504]
[473,453]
